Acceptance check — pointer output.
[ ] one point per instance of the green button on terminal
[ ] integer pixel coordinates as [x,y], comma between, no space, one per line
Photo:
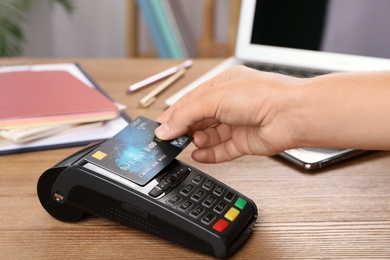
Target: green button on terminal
[240,203]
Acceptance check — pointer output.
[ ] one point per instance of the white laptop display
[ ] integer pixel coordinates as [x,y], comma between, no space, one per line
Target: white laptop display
[354,37]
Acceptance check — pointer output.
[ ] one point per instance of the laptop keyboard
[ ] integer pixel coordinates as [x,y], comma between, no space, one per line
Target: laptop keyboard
[293,71]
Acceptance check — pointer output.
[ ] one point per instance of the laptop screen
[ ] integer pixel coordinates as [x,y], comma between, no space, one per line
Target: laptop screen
[356,27]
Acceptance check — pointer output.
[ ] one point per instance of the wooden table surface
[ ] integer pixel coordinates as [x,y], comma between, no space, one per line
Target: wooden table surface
[342,212]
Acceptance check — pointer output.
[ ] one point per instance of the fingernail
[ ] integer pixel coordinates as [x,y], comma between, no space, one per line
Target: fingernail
[162,130]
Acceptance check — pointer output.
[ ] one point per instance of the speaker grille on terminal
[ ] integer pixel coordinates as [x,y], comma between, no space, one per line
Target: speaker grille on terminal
[129,219]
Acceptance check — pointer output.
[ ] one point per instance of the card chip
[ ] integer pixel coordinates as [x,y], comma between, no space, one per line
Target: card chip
[99,155]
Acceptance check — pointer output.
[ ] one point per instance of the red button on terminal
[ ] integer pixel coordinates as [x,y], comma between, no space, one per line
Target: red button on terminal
[221,225]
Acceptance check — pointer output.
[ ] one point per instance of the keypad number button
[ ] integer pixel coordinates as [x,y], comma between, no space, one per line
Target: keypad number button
[220,207]
[197,179]
[209,201]
[219,190]
[198,195]
[197,212]
[175,199]
[186,205]
[229,196]
[208,184]
[209,218]
[187,189]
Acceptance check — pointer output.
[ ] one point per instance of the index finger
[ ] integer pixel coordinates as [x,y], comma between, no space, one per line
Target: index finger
[195,111]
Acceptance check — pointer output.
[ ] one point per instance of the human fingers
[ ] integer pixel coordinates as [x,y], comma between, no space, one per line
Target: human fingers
[207,84]
[224,143]
[246,98]
[225,76]
[223,152]
[231,103]
[196,113]
[212,136]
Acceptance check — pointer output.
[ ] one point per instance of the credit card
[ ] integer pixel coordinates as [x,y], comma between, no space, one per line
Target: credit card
[135,153]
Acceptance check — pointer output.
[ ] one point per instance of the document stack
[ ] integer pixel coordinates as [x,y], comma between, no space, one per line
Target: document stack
[47,101]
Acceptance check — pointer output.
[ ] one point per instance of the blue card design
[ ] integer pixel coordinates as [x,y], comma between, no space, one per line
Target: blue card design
[135,153]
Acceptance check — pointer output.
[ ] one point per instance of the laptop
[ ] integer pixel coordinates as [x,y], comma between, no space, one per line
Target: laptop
[306,38]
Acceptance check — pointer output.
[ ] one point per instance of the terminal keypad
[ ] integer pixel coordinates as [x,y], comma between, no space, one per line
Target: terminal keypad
[212,203]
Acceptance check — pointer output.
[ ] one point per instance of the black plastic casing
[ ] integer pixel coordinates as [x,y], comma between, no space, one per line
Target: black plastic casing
[69,190]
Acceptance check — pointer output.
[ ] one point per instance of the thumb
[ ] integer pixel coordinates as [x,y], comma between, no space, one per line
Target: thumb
[163,131]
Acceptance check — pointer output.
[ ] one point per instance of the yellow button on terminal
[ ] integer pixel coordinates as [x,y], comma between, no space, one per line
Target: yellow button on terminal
[232,214]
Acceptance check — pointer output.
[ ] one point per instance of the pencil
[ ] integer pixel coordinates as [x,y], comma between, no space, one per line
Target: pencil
[159,76]
[152,96]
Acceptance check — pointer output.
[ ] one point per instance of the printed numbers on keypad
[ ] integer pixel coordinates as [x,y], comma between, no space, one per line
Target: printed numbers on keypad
[211,203]
[187,189]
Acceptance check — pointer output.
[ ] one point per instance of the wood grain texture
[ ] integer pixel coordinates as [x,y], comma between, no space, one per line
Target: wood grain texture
[342,212]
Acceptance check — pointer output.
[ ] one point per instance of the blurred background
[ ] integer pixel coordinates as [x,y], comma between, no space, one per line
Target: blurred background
[104,28]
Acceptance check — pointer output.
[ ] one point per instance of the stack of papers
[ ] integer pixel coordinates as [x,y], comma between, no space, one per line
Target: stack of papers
[37,98]
[53,105]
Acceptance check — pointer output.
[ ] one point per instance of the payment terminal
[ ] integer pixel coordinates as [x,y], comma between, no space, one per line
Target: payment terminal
[135,180]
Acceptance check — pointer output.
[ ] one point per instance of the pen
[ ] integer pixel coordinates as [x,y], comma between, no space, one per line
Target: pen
[159,76]
[151,97]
